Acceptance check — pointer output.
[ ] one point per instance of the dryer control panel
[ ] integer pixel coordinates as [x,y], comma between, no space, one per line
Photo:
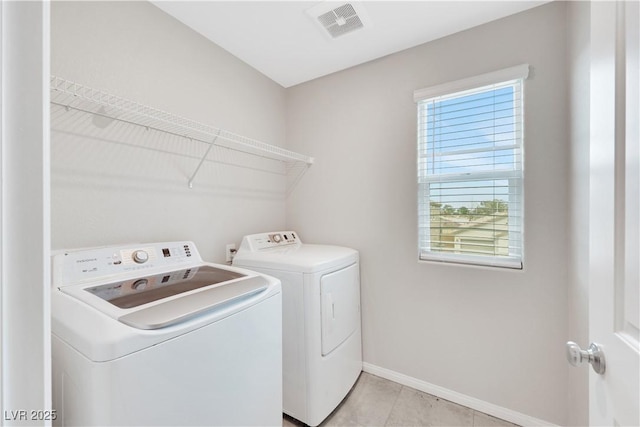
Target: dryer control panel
[274,239]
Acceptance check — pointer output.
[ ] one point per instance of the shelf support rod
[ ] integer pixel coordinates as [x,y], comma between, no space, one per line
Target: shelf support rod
[195,172]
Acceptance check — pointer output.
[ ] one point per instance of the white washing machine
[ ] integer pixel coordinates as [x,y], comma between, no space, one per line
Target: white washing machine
[151,335]
[322,348]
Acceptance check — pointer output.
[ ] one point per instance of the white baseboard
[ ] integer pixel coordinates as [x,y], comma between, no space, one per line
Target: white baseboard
[459,398]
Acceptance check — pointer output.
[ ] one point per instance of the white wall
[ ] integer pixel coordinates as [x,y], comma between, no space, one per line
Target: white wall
[578,63]
[124,184]
[493,334]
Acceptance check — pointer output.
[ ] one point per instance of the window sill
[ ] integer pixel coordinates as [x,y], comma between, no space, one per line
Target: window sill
[471,261]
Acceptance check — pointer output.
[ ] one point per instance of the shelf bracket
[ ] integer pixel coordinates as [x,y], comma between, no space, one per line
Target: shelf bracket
[195,172]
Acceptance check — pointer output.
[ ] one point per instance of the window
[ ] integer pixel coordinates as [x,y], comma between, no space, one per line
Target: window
[470,170]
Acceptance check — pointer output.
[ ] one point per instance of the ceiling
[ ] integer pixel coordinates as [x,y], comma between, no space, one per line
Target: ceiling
[283,41]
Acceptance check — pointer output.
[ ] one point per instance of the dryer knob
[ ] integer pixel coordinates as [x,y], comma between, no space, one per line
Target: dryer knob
[140,257]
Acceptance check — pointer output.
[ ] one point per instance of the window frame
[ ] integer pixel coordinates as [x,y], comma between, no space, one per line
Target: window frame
[507,76]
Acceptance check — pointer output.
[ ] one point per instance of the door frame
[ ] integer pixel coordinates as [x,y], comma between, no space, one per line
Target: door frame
[25,211]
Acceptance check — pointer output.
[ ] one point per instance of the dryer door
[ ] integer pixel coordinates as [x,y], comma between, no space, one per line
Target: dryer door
[340,294]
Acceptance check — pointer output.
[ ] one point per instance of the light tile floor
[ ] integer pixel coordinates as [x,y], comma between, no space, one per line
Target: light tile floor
[375,401]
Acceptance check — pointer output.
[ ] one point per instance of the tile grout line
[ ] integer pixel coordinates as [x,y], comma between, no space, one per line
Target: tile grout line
[394,404]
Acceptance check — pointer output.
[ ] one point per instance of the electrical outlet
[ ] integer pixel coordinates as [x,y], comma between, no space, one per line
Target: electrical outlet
[230,251]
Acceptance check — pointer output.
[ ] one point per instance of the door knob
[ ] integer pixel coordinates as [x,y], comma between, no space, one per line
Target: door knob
[593,355]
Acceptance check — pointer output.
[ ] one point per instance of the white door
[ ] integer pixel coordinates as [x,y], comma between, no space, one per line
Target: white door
[340,306]
[614,260]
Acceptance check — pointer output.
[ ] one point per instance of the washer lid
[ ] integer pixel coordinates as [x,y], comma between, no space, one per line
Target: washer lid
[304,258]
[168,298]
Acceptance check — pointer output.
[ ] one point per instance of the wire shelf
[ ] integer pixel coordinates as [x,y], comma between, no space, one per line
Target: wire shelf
[72,95]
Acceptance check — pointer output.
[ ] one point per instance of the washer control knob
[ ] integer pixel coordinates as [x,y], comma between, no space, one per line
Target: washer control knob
[139,285]
[276,238]
[140,256]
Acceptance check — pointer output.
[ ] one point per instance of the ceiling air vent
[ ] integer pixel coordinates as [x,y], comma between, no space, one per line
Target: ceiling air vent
[339,19]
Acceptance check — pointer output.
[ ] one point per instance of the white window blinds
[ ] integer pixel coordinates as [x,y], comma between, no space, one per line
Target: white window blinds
[470,170]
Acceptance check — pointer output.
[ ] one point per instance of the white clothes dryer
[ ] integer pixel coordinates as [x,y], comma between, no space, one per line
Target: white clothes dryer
[322,342]
[151,335]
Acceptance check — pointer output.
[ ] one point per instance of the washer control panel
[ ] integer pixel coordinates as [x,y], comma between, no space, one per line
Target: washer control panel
[84,264]
[257,242]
